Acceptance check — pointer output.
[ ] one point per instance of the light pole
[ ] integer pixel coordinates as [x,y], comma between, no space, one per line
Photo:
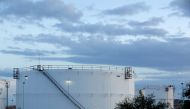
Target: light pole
[182,95]
[68,82]
[24,82]
[23,93]
[7,86]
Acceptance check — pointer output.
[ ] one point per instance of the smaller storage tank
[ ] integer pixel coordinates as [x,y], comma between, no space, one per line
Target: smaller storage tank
[3,94]
[170,96]
[162,93]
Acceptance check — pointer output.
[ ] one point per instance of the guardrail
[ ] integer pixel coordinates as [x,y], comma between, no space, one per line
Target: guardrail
[79,67]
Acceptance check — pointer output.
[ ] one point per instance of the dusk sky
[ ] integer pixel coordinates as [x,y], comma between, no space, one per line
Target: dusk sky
[153,36]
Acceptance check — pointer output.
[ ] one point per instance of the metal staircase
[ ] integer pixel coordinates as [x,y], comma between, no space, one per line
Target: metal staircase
[61,89]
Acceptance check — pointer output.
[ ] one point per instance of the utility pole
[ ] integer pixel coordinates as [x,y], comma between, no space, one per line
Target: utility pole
[7,86]
[182,95]
[23,94]
[24,82]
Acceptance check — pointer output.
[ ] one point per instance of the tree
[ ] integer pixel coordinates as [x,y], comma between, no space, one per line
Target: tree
[141,102]
[186,94]
[187,91]
[125,104]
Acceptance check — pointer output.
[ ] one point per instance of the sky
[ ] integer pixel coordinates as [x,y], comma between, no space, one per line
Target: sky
[152,36]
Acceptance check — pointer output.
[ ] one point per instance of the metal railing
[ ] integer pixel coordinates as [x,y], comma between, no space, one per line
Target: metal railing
[80,67]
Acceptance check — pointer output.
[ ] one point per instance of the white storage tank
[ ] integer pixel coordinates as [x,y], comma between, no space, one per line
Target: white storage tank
[3,94]
[170,96]
[73,87]
[162,93]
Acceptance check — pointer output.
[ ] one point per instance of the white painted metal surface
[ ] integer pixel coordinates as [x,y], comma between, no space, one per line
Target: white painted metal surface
[95,87]
[170,96]
[3,94]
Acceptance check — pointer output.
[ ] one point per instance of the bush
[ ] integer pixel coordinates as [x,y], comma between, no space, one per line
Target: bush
[187,91]
[141,102]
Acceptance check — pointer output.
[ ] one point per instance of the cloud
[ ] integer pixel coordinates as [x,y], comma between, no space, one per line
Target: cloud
[5,73]
[181,7]
[155,21]
[27,52]
[45,38]
[164,75]
[171,55]
[130,9]
[37,10]
[111,29]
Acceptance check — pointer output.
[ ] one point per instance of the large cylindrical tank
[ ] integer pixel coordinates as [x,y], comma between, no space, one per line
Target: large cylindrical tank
[3,94]
[94,87]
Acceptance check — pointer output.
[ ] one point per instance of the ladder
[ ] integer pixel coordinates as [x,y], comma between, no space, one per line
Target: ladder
[61,89]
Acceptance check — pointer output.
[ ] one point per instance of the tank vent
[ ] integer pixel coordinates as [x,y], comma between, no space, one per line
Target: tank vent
[167,88]
[16,73]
